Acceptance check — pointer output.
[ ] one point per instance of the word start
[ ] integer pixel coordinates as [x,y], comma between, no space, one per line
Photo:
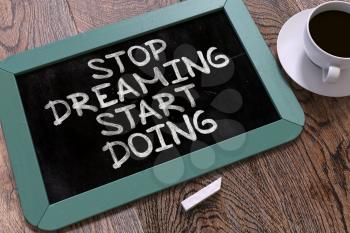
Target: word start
[120,151]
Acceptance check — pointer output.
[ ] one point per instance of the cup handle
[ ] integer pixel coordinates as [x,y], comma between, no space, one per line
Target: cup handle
[331,74]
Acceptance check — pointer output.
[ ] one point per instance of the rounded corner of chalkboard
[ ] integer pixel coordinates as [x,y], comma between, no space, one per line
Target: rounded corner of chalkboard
[49,228]
[297,116]
[298,128]
[33,219]
[34,224]
[300,118]
[48,223]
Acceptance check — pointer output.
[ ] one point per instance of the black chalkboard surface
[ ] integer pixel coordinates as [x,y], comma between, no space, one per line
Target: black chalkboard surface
[203,90]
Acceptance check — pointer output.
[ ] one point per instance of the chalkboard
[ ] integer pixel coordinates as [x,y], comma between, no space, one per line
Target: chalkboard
[76,154]
[127,110]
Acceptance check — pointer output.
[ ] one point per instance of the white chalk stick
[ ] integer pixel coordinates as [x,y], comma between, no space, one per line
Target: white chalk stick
[201,195]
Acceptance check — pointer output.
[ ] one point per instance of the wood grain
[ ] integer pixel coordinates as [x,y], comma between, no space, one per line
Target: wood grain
[28,24]
[90,14]
[25,25]
[299,187]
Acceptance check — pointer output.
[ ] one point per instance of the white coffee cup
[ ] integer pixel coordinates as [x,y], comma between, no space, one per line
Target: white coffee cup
[331,65]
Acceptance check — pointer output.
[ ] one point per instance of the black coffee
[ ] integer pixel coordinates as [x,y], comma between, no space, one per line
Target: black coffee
[331,32]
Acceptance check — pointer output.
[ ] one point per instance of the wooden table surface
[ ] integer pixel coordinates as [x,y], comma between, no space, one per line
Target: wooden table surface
[303,186]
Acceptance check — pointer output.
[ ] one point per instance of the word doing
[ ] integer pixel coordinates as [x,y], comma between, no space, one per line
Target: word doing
[175,131]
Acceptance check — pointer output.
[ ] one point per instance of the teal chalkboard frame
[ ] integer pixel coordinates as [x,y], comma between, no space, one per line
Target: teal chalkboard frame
[29,182]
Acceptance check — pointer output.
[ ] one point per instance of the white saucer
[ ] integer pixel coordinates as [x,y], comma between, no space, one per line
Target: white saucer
[290,49]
